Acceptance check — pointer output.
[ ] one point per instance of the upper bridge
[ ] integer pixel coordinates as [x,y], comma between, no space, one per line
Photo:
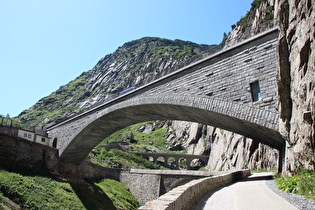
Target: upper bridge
[234,89]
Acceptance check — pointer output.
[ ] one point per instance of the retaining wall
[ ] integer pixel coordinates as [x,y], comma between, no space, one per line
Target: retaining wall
[183,197]
[18,154]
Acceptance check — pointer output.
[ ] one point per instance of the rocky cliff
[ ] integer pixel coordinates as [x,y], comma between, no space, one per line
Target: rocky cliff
[259,18]
[296,80]
[226,150]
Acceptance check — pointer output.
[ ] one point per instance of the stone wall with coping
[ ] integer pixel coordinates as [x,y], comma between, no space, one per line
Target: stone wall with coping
[183,197]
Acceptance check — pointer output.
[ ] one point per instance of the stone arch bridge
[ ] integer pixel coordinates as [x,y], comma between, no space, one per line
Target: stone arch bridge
[234,89]
[177,157]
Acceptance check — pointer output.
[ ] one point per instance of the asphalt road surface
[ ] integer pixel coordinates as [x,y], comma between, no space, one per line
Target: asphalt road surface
[248,194]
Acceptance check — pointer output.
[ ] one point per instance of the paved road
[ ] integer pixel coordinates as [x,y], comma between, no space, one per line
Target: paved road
[251,193]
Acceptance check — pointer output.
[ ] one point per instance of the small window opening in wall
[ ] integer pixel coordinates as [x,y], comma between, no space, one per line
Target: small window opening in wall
[54,144]
[43,139]
[255,91]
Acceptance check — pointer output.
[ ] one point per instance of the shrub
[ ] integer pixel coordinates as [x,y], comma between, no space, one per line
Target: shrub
[302,182]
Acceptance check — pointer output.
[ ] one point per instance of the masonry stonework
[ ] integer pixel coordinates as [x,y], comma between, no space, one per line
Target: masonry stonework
[214,91]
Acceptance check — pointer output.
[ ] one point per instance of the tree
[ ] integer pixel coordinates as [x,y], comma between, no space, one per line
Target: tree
[225,36]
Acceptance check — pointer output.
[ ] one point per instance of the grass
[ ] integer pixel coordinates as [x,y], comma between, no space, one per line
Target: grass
[155,138]
[118,193]
[302,182]
[39,192]
[36,192]
[119,159]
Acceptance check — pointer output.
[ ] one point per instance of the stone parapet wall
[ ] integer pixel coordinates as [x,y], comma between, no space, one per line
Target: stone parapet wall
[183,197]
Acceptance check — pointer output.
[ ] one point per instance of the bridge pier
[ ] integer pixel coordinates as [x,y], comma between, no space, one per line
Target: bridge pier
[282,159]
[188,162]
[177,163]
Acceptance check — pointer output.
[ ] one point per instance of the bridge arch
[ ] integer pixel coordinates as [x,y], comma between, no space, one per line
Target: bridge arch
[89,129]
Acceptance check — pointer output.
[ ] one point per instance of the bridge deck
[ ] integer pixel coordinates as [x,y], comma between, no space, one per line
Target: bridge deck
[177,172]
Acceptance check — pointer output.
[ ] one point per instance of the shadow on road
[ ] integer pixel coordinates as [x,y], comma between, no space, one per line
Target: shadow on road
[257,178]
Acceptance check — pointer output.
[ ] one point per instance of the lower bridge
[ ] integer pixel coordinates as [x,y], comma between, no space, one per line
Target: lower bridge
[178,157]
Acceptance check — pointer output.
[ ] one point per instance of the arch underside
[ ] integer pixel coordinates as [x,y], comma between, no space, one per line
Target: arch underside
[131,113]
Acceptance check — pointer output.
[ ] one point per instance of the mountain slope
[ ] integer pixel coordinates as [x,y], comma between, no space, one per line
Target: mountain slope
[131,65]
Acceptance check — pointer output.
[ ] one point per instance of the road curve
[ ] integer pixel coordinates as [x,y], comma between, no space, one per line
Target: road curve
[250,193]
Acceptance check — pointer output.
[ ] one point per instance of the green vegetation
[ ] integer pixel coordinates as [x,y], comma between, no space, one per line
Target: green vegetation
[118,193]
[10,121]
[53,107]
[35,192]
[133,140]
[245,22]
[256,3]
[139,141]
[119,159]
[174,51]
[38,192]
[302,182]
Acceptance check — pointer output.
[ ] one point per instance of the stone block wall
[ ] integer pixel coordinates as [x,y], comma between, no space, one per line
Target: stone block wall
[144,187]
[17,154]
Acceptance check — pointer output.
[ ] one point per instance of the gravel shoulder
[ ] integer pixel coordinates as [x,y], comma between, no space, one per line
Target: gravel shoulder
[296,200]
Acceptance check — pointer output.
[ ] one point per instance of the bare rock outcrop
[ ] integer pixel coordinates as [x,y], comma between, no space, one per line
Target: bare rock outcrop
[226,150]
[258,19]
[296,81]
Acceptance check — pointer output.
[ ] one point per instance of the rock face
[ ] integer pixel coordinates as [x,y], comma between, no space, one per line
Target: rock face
[258,19]
[226,150]
[296,81]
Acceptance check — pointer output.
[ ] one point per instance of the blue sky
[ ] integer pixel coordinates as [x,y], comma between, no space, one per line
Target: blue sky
[47,43]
